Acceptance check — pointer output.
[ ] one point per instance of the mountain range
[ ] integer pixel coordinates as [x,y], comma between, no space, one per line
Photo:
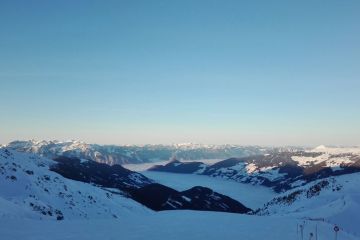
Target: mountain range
[279,170]
[54,188]
[113,154]
[280,188]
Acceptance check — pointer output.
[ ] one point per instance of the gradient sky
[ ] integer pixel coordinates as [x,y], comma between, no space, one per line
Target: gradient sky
[125,72]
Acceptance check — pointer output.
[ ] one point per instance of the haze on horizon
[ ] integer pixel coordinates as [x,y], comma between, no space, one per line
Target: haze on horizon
[212,72]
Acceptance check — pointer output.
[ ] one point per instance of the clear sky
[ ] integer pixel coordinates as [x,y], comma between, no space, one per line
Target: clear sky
[125,72]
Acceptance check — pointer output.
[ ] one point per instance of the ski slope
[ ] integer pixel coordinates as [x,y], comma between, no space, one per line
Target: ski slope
[174,225]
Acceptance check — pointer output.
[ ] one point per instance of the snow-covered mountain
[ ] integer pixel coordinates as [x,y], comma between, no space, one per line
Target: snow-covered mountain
[28,189]
[333,199]
[95,200]
[36,187]
[281,170]
[52,149]
[112,154]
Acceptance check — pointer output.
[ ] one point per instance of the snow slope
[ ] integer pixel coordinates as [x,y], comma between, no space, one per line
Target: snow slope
[29,190]
[334,199]
[174,225]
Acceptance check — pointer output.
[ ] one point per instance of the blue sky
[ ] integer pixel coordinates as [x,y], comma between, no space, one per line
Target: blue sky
[124,72]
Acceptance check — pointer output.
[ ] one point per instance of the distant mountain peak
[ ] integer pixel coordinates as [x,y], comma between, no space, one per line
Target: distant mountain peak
[321,147]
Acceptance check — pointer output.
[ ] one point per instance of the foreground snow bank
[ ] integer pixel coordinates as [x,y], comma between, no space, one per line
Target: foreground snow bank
[174,225]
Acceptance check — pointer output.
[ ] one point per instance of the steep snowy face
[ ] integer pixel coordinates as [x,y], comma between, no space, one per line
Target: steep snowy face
[279,170]
[29,190]
[111,154]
